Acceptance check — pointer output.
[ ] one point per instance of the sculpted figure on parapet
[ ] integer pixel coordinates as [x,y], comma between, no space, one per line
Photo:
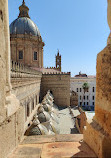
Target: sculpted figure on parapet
[109,13]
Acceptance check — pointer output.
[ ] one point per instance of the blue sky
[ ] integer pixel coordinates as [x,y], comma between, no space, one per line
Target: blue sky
[78,28]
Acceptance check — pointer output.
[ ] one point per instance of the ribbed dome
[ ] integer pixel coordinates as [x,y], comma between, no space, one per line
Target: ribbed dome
[38,130]
[43,117]
[24,25]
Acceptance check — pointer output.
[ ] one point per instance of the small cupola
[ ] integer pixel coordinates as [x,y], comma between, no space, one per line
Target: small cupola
[24,10]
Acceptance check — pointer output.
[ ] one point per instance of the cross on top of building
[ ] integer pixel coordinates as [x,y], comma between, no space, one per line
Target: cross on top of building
[23,2]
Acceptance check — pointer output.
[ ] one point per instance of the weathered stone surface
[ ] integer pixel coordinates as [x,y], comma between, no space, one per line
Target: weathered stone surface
[97,139]
[67,150]
[28,151]
[73,99]
[46,147]
[52,138]
[38,139]
[68,138]
[98,131]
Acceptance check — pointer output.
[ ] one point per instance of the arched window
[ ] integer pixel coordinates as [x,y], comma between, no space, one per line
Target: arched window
[93,89]
[77,89]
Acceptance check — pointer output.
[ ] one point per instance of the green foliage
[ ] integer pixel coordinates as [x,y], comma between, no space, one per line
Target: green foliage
[85,86]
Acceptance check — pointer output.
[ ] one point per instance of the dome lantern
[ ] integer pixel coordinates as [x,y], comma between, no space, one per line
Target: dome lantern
[24,10]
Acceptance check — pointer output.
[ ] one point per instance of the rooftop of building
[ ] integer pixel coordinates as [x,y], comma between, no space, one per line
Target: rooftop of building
[82,75]
[59,146]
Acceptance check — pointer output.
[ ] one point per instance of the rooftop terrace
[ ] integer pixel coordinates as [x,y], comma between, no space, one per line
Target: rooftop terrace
[56,146]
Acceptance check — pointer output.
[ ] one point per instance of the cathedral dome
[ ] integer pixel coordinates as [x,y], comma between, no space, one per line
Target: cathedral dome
[23,24]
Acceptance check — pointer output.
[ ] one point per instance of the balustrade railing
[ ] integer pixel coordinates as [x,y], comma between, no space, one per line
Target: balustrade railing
[18,69]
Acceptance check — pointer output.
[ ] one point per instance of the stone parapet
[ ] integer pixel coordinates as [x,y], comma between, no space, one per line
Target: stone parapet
[19,70]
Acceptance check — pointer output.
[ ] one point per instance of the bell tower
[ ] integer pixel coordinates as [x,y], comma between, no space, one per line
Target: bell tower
[58,61]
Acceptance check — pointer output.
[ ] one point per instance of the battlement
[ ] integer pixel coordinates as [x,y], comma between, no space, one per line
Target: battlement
[55,68]
[57,73]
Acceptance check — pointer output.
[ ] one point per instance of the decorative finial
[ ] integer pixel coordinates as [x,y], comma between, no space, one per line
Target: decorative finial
[58,51]
[23,2]
[23,10]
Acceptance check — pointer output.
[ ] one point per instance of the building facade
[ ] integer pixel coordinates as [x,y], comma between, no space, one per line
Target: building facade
[86,99]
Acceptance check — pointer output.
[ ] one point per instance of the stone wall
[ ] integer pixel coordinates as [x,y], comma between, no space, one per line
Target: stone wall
[11,133]
[81,121]
[59,84]
[26,86]
[9,105]
[73,99]
[98,130]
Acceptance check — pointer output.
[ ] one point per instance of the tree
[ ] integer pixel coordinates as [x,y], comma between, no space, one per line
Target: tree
[85,87]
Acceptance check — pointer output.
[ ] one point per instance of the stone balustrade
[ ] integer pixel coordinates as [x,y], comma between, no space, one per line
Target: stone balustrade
[20,70]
